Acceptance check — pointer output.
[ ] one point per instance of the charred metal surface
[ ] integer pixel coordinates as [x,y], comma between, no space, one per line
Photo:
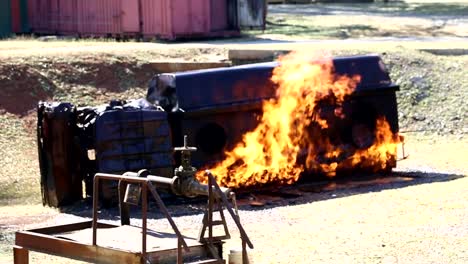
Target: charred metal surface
[75,143]
[57,149]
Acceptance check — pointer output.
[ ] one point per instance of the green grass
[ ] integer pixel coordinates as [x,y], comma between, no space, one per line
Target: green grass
[395,19]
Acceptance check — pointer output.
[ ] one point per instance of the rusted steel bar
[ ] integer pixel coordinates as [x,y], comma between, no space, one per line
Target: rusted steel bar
[144,212]
[245,257]
[161,181]
[50,244]
[123,207]
[20,255]
[129,179]
[95,207]
[232,195]
[69,227]
[146,184]
[179,251]
[223,221]
[166,213]
[210,209]
[243,234]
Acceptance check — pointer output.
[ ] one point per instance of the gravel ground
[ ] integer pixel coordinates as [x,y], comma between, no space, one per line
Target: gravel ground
[419,219]
[418,215]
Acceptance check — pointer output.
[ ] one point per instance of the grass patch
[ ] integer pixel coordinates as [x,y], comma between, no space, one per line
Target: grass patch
[397,19]
[19,170]
[392,8]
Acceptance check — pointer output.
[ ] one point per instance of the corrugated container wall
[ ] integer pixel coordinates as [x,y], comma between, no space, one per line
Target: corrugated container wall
[190,17]
[5,18]
[170,19]
[40,13]
[67,16]
[166,19]
[219,15]
[19,16]
[99,17]
[156,21]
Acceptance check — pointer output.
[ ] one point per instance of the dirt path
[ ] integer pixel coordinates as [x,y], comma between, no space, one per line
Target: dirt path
[215,50]
[419,220]
[417,216]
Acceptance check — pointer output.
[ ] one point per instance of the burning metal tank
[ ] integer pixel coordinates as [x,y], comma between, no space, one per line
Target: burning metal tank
[302,117]
[275,122]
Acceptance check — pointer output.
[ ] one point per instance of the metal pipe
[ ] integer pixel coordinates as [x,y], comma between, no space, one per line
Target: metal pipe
[144,212]
[189,187]
[162,182]
[95,208]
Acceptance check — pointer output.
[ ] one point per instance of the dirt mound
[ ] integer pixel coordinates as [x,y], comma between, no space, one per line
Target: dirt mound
[432,91]
[22,88]
[82,81]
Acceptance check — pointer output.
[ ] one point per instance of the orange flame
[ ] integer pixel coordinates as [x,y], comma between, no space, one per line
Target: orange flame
[290,138]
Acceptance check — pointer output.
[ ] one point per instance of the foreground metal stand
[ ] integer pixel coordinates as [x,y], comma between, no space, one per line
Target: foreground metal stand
[132,244]
[118,244]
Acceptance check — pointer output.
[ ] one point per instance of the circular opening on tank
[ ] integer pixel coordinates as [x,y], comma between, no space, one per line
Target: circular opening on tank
[211,138]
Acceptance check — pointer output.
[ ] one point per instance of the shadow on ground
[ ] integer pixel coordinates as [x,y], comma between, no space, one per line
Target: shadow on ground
[271,197]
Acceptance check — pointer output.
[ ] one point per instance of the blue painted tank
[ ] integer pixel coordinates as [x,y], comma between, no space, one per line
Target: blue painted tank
[130,140]
[220,105]
[250,83]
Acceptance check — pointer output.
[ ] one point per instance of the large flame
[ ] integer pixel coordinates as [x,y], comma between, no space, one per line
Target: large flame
[290,138]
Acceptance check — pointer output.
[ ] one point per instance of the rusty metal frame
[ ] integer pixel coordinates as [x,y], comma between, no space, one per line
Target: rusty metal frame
[43,239]
[222,200]
[145,185]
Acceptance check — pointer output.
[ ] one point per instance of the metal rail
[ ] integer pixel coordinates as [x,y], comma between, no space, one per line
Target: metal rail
[244,237]
[145,185]
[212,181]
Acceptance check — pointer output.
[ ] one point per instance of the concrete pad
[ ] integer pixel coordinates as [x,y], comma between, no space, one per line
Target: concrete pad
[248,54]
[180,66]
[263,51]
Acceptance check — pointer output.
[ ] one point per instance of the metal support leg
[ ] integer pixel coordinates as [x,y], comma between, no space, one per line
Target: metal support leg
[123,207]
[20,255]
[245,257]
[179,252]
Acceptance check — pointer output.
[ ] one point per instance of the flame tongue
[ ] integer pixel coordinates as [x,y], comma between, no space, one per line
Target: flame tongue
[290,136]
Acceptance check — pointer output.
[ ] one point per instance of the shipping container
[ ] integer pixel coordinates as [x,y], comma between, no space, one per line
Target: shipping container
[99,17]
[67,16]
[163,19]
[19,16]
[5,18]
[171,19]
[168,19]
[32,7]
[41,16]
[219,15]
